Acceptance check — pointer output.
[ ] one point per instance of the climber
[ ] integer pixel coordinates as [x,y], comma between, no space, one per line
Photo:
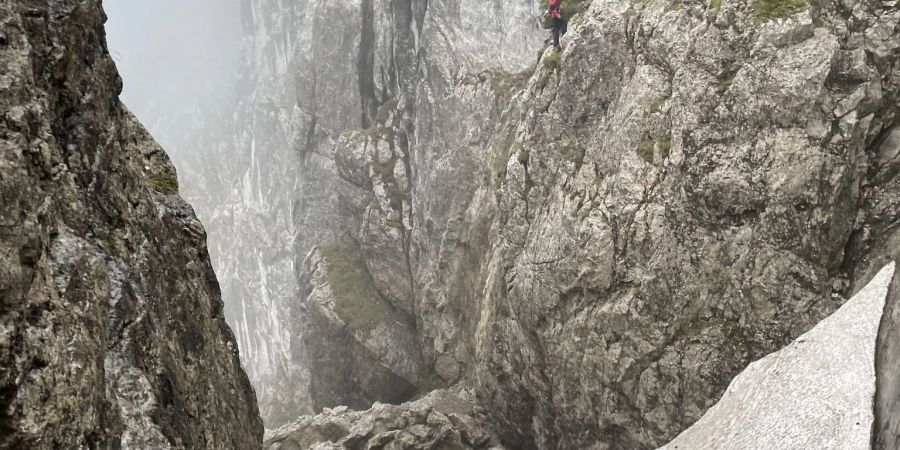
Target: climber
[560,24]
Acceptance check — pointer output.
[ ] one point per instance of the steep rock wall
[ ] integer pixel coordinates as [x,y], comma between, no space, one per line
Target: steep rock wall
[886,429]
[601,242]
[253,220]
[426,69]
[111,326]
[707,223]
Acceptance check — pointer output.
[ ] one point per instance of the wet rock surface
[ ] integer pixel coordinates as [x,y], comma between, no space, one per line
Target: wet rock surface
[111,326]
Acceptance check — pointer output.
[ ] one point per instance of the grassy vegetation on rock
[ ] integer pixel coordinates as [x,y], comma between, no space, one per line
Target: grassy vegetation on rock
[549,63]
[164,183]
[714,8]
[356,300]
[646,149]
[657,104]
[774,9]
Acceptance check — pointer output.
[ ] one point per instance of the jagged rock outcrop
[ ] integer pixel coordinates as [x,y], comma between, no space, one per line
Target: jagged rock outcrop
[707,222]
[814,393]
[445,419]
[111,325]
[232,135]
[601,242]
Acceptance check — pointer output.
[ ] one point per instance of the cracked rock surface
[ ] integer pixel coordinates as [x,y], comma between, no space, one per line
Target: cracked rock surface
[601,241]
[597,240]
[111,326]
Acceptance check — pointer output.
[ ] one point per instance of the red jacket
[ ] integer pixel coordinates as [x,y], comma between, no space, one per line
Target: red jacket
[554,9]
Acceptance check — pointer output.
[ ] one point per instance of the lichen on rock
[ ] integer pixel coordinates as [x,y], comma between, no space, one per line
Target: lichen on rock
[111,327]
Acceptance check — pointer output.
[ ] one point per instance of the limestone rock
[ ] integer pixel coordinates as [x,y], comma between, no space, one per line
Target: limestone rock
[601,242]
[111,326]
[446,419]
[597,240]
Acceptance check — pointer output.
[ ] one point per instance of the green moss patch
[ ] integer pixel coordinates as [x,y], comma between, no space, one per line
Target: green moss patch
[501,85]
[646,149]
[384,111]
[113,244]
[674,5]
[714,8]
[356,300]
[657,104]
[549,64]
[664,145]
[166,184]
[385,169]
[774,9]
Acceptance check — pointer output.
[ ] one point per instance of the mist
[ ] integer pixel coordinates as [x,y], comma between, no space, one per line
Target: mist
[177,59]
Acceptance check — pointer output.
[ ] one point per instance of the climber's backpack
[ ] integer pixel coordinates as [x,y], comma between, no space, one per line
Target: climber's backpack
[547,20]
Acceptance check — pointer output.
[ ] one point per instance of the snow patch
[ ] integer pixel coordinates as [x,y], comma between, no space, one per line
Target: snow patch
[815,393]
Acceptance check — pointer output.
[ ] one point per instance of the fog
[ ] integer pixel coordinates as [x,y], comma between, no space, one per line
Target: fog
[177,58]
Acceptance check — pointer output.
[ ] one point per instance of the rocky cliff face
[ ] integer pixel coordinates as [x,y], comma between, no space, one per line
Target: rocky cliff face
[886,429]
[596,241]
[229,128]
[111,326]
[599,242]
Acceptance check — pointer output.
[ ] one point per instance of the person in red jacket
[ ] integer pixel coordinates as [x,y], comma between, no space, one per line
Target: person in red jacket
[560,24]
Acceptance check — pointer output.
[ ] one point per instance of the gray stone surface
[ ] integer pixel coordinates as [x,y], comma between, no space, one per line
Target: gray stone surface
[598,240]
[601,242]
[443,419]
[886,429]
[111,326]
[816,393]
